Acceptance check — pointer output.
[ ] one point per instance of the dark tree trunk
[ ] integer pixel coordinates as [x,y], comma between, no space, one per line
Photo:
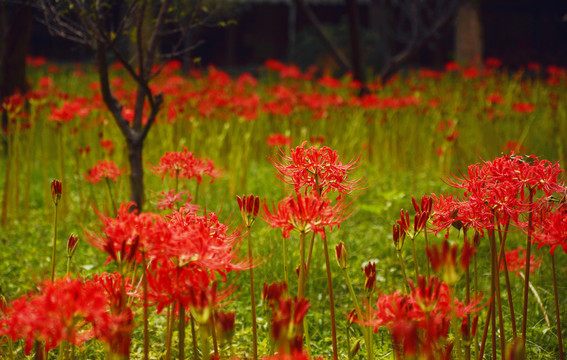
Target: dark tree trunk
[16,33]
[468,35]
[356,53]
[136,172]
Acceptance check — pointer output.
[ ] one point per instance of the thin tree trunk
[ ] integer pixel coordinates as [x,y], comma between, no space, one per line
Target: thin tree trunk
[468,35]
[16,23]
[136,172]
[356,52]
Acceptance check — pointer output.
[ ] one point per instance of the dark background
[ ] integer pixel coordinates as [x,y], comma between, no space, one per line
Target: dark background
[516,31]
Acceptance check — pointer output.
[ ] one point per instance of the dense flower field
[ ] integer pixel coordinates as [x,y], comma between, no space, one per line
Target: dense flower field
[276,221]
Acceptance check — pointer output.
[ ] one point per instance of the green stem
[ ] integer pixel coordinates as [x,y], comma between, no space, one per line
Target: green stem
[193,337]
[214,334]
[204,342]
[145,295]
[181,333]
[253,299]
[527,269]
[108,186]
[406,284]
[426,246]
[301,286]
[54,245]
[169,331]
[365,330]
[455,327]
[68,264]
[331,299]
[496,275]
[414,258]
[285,261]
[559,334]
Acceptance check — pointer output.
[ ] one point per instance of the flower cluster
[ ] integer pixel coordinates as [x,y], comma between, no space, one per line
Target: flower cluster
[318,170]
[85,314]
[184,165]
[419,322]
[103,169]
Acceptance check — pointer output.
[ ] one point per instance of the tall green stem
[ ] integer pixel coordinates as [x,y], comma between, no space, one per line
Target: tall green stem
[496,275]
[402,265]
[331,299]
[108,186]
[366,331]
[204,342]
[252,298]
[54,245]
[181,332]
[527,270]
[145,289]
[414,259]
[285,261]
[559,334]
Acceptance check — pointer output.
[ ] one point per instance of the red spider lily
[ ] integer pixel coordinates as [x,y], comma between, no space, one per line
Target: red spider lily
[69,110]
[169,200]
[287,315]
[516,261]
[551,230]
[273,292]
[108,145]
[249,207]
[103,169]
[523,107]
[317,170]
[185,165]
[445,260]
[305,214]
[419,321]
[224,323]
[65,310]
[278,140]
[130,232]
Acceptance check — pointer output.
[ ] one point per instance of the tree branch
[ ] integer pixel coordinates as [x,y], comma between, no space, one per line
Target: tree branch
[335,52]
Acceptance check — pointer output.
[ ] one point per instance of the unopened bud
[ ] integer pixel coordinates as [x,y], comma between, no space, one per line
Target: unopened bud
[340,251]
[56,191]
[72,244]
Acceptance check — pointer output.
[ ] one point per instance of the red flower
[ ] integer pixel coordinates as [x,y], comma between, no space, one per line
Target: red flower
[523,107]
[317,170]
[278,140]
[62,311]
[108,145]
[169,200]
[516,261]
[305,214]
[185,165]
[103,169]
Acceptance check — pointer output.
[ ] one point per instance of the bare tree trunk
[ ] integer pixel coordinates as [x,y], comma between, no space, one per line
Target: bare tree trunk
[356,53]
[16,34]
[136,172]
[468,35]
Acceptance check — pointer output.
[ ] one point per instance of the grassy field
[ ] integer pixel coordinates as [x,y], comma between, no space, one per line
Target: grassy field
[408,136]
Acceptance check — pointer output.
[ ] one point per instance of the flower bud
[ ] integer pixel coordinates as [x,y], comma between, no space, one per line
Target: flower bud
[72,244]
[56,191]
[340,251]
[399,236]
[249,207]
